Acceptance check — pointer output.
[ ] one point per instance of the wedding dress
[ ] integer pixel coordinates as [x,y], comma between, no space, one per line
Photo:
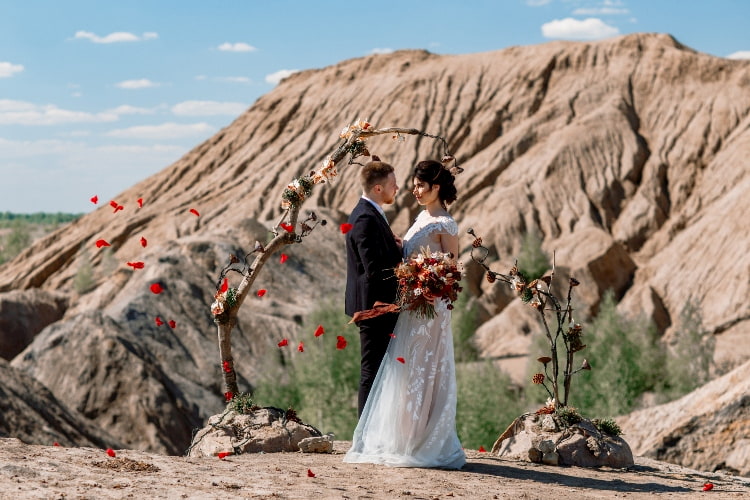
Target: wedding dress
[409,419]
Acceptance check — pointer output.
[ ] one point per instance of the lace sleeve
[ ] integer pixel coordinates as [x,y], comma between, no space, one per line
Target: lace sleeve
[448,225]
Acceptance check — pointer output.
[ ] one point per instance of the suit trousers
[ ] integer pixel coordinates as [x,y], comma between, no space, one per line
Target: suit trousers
[374,335]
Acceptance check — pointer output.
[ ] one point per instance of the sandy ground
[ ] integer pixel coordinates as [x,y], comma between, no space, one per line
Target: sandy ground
[52,472]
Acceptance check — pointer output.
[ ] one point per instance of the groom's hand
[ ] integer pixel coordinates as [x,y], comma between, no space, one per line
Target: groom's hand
[399,241]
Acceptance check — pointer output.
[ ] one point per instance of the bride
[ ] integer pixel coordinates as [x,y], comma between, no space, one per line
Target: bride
[409,419]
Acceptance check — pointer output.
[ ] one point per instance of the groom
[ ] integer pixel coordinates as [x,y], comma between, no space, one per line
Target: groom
[372,253]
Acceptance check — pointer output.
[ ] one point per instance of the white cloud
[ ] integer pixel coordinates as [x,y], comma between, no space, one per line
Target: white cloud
[233,79]
[600,11]
[163,131]
[276,77]
[574,29]
[740,54]
[537,3]
[27,113]
[236,47]
[381,51]
[9,69]
[143,83]
[116,37]
[208,108]
[127,109]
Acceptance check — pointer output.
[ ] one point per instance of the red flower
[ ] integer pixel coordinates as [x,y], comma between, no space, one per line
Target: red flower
[136,265]
[94,199]
[310,473]
[346,227]
[101,243]
[55,444]
[284,257]
[158,321]
[708,487]
[172,324]
[289,228]
[143,242]
[140,202]
[194,212]
[301,347]
[283,343]
[224,286]
[228,396]
[223,454]
[401,360]
[319,331]
[156,288]
[227,368]
[481,449]
[340,342]
[111,452]
[261,292]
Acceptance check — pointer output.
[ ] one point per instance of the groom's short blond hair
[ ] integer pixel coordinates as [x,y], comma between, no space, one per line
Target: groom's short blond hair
[374,173]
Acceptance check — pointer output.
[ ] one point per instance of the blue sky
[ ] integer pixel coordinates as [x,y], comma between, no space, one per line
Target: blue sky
[97,95]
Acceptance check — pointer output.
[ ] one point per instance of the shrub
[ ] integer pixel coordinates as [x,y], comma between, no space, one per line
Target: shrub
[464,322]
[607,426]
[691,353]
[532,261]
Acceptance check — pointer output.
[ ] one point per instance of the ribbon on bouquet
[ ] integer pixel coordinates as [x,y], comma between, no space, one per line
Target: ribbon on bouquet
[378,309]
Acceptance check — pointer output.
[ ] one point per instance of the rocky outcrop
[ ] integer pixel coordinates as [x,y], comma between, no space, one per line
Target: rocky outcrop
[31,413]
[707,429]
[23,314]
[626,156]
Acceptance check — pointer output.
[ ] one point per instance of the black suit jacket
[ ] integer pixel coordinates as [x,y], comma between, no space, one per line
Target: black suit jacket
[371,255]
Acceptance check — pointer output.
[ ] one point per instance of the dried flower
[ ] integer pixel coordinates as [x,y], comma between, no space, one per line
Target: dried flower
[574,282]
[585,365]
[544,360]
[538,378]
[490,277]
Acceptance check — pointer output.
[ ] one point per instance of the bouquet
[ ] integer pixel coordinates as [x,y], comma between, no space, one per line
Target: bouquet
[434,274]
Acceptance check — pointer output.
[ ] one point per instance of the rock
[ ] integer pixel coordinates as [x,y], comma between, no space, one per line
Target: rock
[322,444]
[581,444]
[23,314]
[263,430]
[549,424]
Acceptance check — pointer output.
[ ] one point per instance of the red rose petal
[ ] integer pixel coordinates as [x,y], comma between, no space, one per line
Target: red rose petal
[319,331]
[140,202]
[136,265]
[156,288]
[301,347]
[346,227]
[481,449]
[708,487]
[223,454]
[158,321]
[113,204]
[228,396]
[284,257]
[55,444]
[340,342]
[310,473]
[94,199]
[401,360]
[226,367]
[194,212]
[144,242]
[111,452]
[392,335]
[101,243]
[289,228]
[283,343]
[261,292]
[224,286]
[172,324]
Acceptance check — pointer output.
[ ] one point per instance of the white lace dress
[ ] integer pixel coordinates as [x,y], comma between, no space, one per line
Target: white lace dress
[410,416]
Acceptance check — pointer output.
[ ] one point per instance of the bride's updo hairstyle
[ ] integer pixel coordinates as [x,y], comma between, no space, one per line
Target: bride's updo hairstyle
[432,172]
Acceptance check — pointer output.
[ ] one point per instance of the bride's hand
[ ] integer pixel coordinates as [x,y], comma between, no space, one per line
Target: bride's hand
[429,297]
[399,241]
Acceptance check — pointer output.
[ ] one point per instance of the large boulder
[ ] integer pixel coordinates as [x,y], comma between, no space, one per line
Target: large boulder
[23,314]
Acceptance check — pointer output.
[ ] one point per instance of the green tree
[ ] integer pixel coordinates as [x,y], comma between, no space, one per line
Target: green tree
[464,322]
[15,242]
[691,353]
[532,261]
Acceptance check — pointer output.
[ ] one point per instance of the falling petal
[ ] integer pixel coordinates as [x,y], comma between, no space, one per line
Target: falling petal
[111,452]
[340,342]
[136,265]
[284,342]
[401,360]
[226,367]
[156,288]
[144,242]
[140,202]
[301,347]
[288,227]
[194,212]
[113,204]
[346,227]
[223,454]
[310,473]
[55,444]
[481,449]
[101,243]
[284,257]
[392,335]
[319,331]
[224,286]
[94,199]
[261,292]
[158,321]
[228,396]
[172,324]
[708,487]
